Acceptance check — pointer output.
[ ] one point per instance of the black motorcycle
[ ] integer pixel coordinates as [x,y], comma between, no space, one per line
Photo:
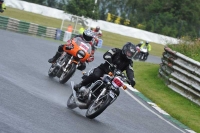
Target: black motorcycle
[96,97]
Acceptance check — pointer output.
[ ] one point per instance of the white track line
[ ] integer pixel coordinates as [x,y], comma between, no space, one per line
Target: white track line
[153,111]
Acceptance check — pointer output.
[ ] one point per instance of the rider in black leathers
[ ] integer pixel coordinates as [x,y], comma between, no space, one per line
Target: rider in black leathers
[121,58]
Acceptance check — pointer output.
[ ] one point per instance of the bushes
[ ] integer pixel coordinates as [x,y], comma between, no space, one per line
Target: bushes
[188,48]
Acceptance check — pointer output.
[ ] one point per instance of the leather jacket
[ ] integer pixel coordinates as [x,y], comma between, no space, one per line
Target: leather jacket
[116,57]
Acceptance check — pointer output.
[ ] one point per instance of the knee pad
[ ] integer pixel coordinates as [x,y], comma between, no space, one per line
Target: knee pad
[97,73]
[81,67]
[60,48]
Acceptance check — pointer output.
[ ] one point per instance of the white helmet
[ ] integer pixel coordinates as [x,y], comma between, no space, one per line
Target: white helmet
[97,28]
[141,42]
[88,35]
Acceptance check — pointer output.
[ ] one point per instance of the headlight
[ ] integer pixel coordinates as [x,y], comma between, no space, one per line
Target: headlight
[80,54]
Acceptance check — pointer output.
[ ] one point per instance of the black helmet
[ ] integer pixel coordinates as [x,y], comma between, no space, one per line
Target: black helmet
[129,50]
[2,1]
[88,35]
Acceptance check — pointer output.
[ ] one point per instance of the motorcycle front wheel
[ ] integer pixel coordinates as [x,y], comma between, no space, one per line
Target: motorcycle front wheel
[68,74]
[52,71]
[96,108]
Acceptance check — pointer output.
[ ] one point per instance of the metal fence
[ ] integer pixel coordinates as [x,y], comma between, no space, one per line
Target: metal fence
[76,22]
[182,74]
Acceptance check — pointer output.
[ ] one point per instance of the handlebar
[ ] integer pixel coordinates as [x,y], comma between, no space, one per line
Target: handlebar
[114,67]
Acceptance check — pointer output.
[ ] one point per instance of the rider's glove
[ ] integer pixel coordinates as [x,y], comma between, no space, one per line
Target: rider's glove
[69,46]
[90,59]
[112,67]
[132,83]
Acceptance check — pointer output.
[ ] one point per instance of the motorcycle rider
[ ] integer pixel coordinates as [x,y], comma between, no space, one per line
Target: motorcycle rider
[2,6]
[146,44]
[87,37]
[97,31]
[140,44]
[121,58]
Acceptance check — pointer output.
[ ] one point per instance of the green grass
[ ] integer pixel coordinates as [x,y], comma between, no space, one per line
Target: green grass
[152,86]
[188,49]
[110,39]
[146,74]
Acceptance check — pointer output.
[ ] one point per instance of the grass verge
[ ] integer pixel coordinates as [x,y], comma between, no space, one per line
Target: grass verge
[149,83]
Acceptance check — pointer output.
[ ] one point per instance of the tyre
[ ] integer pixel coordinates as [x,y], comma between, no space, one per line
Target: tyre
[136,55]
[68,74]
[96,109]
[71,102]
[141,57]
[52,71]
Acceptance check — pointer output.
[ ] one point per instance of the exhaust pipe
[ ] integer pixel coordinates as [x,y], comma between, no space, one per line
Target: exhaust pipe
[81,105]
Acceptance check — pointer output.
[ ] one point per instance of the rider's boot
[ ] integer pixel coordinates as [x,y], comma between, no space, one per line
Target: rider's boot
[56,56]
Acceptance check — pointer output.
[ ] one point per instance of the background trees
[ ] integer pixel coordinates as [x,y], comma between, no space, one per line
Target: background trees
[86,8]
[176,18]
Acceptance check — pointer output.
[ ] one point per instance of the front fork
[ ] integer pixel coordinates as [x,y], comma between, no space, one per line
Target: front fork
[100,95]
[71,60]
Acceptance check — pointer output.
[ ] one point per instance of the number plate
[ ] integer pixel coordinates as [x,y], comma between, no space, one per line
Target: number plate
[84,47]
[112,94]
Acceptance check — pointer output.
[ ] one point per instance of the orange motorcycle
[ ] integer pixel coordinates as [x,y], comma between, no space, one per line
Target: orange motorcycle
[74,54]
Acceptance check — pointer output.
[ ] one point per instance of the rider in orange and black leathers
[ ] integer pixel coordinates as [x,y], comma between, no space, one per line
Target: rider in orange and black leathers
[87,37]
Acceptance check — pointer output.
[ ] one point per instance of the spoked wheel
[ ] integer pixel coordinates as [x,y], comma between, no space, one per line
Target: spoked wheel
[52,71]
[71,102]
[68,74]
[96,108]
[62,77]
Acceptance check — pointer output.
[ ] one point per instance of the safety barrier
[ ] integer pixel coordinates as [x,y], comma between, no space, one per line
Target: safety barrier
[30,28]
[182,74]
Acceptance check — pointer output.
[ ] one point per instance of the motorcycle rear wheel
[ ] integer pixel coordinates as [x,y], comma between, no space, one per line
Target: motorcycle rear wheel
[68,74]
[96,109]
[71,102]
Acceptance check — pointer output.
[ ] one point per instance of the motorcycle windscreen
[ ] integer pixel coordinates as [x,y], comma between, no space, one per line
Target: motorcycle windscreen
[78,45]
[84,46]
[144,49]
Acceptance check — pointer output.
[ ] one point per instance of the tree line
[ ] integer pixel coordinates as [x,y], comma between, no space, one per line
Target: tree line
[175,18]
